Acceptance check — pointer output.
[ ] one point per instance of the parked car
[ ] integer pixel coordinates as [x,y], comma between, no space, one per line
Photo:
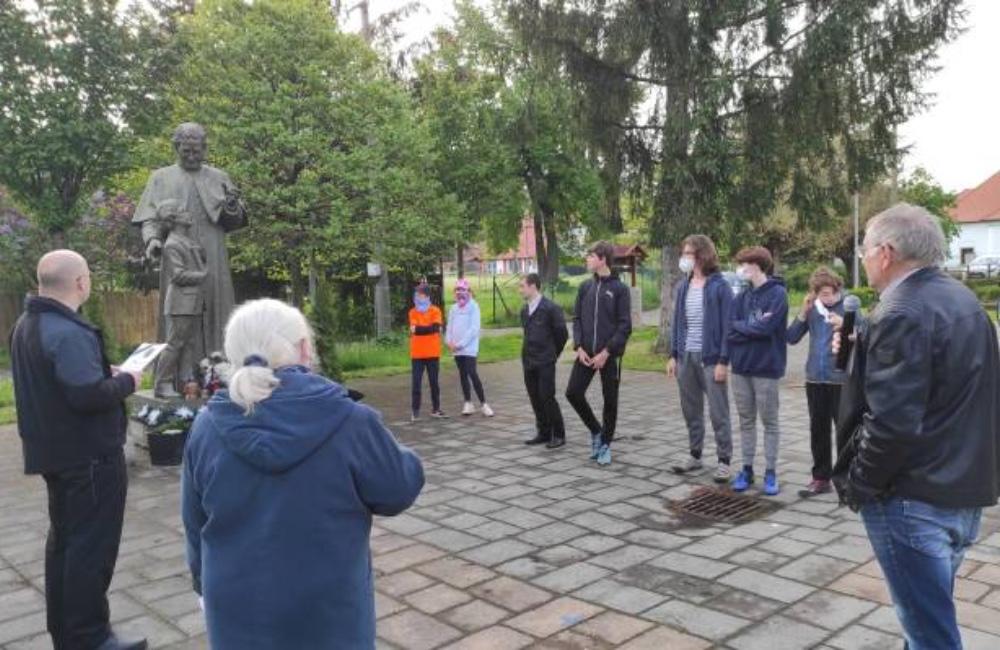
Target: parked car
[734,281]
[984,266]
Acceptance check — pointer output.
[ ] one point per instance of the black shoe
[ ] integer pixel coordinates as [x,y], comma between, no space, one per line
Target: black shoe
[537,440]
[555,443]
[114,643]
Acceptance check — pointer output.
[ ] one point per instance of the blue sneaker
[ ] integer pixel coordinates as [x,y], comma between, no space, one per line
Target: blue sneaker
[771,487]
[604,455]
[742,481]
[595,445]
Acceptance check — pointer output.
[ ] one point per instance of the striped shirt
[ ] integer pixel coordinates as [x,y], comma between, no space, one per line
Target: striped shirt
[694,309]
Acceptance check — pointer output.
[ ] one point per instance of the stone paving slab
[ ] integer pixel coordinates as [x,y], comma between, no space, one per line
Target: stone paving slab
[517,547]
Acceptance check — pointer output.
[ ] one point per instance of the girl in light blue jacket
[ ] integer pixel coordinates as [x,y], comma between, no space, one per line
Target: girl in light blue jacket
[462,338]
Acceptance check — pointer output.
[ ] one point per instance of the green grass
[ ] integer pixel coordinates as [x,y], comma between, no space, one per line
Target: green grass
[4,359]
[365,360]
[640,355]
[564,295]
[362,360]
[7,413]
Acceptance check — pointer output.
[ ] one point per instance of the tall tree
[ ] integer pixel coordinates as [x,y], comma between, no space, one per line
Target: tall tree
[459,95]
[327,149]
[545,125]
[78,81]
[564,186]
[754,102]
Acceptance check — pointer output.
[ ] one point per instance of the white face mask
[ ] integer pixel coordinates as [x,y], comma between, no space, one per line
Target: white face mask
[743,274]
[686,265]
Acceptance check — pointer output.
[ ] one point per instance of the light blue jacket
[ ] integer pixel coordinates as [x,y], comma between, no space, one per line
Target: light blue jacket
[463,329]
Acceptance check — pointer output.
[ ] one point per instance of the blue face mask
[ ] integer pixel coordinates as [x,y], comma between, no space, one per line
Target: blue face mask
[422,303]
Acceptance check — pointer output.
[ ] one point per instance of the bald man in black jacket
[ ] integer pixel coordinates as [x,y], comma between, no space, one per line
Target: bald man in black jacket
[71,419]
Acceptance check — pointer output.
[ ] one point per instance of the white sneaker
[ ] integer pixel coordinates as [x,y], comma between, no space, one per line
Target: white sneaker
[691,466]
[722,473]
[487,411]
[468,409]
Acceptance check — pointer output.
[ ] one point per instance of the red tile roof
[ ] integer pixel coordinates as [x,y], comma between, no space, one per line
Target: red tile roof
[980,203]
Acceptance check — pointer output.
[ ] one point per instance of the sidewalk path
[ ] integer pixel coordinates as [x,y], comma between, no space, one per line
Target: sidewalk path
[512,547]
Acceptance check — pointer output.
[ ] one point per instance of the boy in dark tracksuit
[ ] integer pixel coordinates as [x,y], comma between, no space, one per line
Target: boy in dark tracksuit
[602,323]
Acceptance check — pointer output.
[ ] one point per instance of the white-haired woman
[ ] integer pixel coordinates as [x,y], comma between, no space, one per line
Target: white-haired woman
[282,474]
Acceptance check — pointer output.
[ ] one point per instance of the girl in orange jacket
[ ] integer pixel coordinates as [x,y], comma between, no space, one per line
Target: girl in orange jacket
[426,323]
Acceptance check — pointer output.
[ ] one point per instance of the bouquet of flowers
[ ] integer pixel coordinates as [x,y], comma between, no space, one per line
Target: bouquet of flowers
[161,420]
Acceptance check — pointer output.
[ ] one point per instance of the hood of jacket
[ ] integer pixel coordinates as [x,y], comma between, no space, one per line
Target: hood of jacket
[302,414]
[769,286]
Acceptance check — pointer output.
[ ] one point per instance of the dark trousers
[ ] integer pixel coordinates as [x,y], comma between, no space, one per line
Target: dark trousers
[541,385]
[433,367]
[86,513]
[824,403]
[576,393]
[467,374]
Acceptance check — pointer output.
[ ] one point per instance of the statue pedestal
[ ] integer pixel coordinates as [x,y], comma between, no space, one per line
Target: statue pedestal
[137,444]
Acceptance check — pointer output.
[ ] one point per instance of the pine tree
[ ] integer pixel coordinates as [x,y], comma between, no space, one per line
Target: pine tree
[724,109]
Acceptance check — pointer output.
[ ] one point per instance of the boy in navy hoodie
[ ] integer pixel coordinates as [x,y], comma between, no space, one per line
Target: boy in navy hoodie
[757,353]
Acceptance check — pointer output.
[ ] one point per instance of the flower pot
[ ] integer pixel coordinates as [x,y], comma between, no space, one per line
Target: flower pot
[166,448]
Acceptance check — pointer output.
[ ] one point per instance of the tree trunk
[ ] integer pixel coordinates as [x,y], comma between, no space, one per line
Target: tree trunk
[541,257]
[611,178]
[668,280]
[460,259]
[551,250]
[298,284]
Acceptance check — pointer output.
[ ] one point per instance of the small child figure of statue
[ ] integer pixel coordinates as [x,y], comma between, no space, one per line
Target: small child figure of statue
[184,304]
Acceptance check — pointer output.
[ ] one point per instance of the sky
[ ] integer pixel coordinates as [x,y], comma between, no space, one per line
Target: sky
[956,139]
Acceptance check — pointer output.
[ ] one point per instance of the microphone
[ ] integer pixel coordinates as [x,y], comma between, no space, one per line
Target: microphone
[851,306]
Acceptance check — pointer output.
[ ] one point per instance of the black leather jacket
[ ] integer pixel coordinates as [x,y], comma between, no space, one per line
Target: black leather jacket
[922,418]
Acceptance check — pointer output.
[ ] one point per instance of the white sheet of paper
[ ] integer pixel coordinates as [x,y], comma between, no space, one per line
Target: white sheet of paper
[142,356]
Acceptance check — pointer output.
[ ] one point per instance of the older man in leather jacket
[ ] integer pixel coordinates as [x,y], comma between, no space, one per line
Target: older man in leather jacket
[921,423]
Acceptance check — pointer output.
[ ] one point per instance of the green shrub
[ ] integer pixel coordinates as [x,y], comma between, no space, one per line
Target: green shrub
[93,311]
[868,296]
[797,277]
[323,316]
[987,293]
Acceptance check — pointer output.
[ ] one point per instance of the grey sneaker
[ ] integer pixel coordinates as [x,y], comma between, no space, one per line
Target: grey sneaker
[692,465]
[723,473]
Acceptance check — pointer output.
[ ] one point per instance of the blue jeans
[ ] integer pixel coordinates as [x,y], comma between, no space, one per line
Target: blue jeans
[920,547]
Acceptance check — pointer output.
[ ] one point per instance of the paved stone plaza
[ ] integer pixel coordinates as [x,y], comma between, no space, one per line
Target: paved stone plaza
[515,547]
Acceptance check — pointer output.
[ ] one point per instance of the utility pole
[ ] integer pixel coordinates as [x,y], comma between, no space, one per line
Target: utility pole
[383,309]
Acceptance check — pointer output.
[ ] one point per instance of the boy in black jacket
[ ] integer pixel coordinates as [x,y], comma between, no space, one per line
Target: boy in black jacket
[544,339]
[602,323]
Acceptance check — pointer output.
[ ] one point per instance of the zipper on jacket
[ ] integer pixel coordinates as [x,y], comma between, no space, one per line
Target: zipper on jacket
[597,302]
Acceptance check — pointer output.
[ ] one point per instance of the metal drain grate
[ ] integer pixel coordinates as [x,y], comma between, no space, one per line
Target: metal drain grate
[713,505]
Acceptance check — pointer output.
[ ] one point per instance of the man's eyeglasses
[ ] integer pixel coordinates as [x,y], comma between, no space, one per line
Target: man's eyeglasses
[863,251]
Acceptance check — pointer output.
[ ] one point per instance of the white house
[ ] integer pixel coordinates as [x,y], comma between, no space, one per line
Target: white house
[977,211]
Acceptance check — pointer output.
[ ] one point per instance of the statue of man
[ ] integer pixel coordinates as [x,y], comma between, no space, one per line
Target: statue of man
[214,204]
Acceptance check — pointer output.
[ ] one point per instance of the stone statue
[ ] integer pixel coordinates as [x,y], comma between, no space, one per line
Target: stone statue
[183,265]
[213,203]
